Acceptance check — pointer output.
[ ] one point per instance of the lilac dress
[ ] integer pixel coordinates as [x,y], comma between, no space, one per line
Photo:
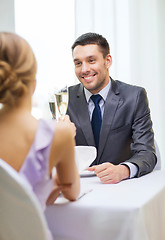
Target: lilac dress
[35,168]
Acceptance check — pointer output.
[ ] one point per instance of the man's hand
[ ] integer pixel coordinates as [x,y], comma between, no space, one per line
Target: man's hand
[110,173]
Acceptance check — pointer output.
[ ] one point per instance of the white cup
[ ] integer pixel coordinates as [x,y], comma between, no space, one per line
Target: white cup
[84,156]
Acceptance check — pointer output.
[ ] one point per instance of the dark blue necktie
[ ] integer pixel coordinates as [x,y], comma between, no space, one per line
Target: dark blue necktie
[96,118]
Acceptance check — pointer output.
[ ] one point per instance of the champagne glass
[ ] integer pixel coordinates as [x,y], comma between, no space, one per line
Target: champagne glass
[52,105]
[61,97]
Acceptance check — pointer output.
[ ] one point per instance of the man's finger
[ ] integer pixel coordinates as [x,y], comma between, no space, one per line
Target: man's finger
[91,168]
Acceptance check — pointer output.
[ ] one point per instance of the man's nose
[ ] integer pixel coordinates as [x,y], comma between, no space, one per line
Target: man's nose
[85,68]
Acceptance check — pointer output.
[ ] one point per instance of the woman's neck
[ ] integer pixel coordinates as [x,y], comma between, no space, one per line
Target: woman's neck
[23,107]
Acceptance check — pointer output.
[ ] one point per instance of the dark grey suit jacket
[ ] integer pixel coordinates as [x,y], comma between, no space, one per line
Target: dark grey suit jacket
[126,132]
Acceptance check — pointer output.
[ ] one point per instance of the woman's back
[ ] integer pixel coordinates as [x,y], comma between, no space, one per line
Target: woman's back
[17,135]
[19,128]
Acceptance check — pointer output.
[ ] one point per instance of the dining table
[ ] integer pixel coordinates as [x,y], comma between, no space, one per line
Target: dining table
[133,209]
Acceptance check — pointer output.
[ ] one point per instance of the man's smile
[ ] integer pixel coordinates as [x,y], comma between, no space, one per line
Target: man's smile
[88,78]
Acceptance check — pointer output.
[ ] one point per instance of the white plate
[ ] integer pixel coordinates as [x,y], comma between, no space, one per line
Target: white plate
[86,173]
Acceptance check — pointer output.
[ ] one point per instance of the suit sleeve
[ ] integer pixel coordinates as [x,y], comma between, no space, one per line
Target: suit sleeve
[142,147]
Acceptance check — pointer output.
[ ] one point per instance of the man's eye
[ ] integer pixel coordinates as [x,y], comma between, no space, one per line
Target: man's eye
[77,63]
[91,60]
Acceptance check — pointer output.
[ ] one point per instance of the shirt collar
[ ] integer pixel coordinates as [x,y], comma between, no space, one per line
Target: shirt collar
[103,92]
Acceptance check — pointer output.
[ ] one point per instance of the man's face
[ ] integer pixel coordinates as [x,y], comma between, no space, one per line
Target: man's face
[91,68]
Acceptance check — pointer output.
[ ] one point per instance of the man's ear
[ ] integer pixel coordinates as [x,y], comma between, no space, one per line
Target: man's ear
[108,60]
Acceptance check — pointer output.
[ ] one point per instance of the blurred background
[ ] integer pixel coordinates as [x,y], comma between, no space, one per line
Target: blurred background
[135,30]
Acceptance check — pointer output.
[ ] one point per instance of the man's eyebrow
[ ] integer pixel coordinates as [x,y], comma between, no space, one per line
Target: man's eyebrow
[88,57]
[76,59]
[92,56]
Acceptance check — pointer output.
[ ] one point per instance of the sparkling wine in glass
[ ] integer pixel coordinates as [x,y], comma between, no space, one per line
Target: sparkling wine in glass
[52,105]
[61,97]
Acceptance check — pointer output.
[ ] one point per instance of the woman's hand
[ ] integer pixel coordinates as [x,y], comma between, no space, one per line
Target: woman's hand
[57,189]
[67,121]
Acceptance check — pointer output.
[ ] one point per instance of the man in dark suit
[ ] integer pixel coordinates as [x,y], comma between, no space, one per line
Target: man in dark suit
[125,139]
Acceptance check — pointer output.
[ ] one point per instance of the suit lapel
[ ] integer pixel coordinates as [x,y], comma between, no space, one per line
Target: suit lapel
[110,108]
[83,116]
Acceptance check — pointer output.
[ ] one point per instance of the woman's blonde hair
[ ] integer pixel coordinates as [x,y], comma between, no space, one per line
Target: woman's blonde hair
[17,68]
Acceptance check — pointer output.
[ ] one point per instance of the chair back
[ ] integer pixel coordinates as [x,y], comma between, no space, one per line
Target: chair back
[21,217]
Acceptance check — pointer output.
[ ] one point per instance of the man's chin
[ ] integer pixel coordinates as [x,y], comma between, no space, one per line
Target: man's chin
[91,89]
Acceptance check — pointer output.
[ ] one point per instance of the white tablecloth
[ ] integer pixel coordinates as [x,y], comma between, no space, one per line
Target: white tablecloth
[130,210]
